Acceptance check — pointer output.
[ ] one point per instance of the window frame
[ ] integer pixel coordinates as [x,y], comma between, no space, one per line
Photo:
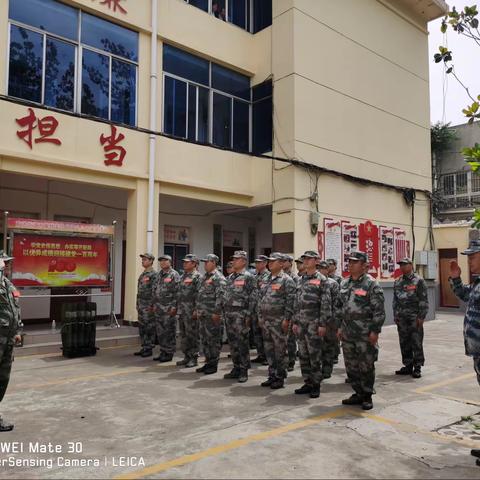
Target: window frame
[78,58]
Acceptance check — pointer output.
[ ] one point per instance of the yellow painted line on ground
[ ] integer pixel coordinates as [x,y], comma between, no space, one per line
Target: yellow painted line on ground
[457,399]
[233,445]
[444,383]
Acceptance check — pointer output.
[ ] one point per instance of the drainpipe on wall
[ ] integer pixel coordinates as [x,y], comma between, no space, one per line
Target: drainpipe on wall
[153,127]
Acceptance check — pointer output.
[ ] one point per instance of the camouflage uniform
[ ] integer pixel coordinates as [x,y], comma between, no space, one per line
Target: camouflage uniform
[261,280]
[275,305]
[330,341]
[410,302]
[291,340]
[313,309]
[186,301]
[10,325]
[146,316]
[335,340]
[210,302]
[362,311]
[239,308]
[470,294]
[166,286]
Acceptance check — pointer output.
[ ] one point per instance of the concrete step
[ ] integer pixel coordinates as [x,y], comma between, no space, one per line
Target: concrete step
[41,348]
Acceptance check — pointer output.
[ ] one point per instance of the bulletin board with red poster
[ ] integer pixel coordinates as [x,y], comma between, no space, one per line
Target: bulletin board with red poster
[60,254]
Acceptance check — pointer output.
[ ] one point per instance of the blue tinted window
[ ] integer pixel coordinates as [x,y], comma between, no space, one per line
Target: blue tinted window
[49,15]
[123,92]
[237,12]
[95,84]
[241,122]
[222,121]
[202,115]
[184,65]
[107,36]
[231,82]
[175,107]
[262,14]
[201,4]
[262,90]
[59,74]
[26,60]
[262,128]
[192,112]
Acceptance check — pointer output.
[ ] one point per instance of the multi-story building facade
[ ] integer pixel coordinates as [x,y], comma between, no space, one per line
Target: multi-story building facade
[214,125]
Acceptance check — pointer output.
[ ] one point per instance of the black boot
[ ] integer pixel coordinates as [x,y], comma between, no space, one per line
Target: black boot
[315,392]
[306,388]
[475,452]
[234,374]
[4,426]
[243,376]
[260,359]
[277,383]
[291,366]
[182,363]
[210,369]
[417,372]
[352,400]
[146,353]
[478,462]
[137,354]
[268,382]
[407,370]
[192,362]
[367,403]
[164,358]
[201,369]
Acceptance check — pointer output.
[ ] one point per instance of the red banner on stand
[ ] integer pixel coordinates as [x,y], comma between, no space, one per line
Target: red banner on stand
[60,261]
[368,241]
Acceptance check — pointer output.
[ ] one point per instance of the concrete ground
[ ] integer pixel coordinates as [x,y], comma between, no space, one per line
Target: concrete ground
[134,418]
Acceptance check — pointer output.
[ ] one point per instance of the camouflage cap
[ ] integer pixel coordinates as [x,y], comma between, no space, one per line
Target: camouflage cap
[262,258]
[404,261]
[322,264]
[299,260]
[331,261]
[211,257]
[164,257]
[287,258]
[276,256]
[473,247]
[5,257]
[190,258]
[310,254]
[240,254]
[149,256]
[358,256]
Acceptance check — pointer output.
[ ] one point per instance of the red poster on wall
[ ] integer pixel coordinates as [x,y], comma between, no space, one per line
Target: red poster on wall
[60,261]
[368,242]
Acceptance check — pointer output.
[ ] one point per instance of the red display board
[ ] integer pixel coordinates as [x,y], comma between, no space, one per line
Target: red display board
[368,241]
[44,260]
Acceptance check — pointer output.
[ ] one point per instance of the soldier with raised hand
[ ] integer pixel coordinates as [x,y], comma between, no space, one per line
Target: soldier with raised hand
[275,311]
[187,292]
[239,306]
[10,330]
[410,307]
[164,305]
[209,311]
[261,277]
[470,294]
[362,312]
[330,344]
[313,312]
[146,315]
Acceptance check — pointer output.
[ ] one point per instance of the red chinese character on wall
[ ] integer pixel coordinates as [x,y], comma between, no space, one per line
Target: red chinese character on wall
[113,5]
[46,127]
[114,154]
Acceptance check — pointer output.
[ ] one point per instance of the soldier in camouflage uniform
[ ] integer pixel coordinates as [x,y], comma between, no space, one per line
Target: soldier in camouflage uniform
[262,276]
[292,349]
[10,330]
[470,294]
[164,305]
[330,343]
[332,273]
[313,312]
[275,311]
[362,313]
[186,305]
[209,312]
[239,307]
[146,315]
[410,307]
[300,266]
